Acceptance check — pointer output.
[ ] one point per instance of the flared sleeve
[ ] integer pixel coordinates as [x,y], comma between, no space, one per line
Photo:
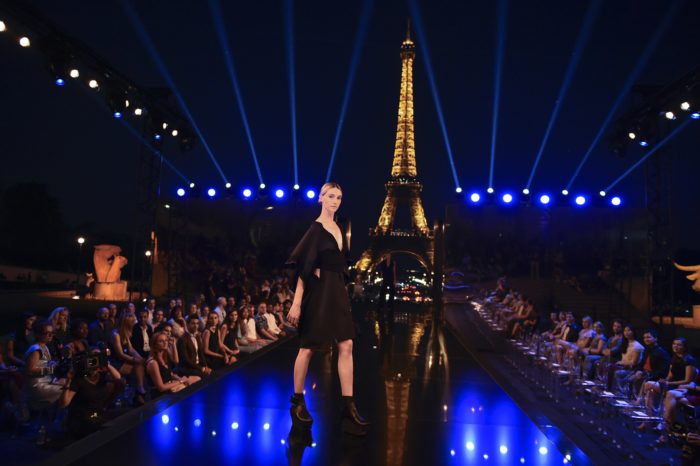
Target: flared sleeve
[304,258]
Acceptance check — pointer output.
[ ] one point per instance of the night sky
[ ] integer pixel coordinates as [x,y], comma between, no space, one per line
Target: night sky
[66,137]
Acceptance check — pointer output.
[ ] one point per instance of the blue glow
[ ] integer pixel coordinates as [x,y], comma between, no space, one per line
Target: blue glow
[565,192]
[498,72]
[616,201]
[580,200]
[197,422]
[643,143]
[279,193]
[452,453]
[180,192]
[631,80]
[545,199]
[247,193]
[475,197]
[60,81]
[289,29]
[157,137]
[117,114]
[211,192]
[490,190]
[296,187]
[165,419]
[354,61]
[695,115]
[310,194]
[507,198]
[458,190]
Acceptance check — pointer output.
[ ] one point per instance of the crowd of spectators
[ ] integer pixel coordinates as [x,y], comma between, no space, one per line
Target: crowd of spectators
[663,382]
[70,376]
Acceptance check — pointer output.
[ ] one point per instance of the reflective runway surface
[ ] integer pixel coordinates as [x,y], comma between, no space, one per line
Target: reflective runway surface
[429,403]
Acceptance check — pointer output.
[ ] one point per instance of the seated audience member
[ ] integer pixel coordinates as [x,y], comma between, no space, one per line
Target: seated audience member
[594,351]
[78,343]
[150,307]
[60,320]
[177,320]
[87,396]
[269,317]
[261,325]
[278,312]
[583,340]
[158,318]
[211,338]
[21,340]
[569,334]
[246,344]
[191,350]
[220,308]
[141,335]
[173,353]
[629,361]
[654,367]
[228,331]
[101,328]
[159,369]
[124,357]
[42,388]
[252,333]
[113,317]
[528,314]
[682,371]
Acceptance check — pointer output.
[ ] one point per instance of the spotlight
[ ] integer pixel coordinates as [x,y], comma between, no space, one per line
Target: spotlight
[310,193]
[148,253]
[296,187]
[565,192]
[503,449]
[470,446]
[670,116]
[632,135]
[580,200]
[93,84]
[117,114]
[490,190]
[279,193]
[616,201]
[643,143]
[174,132]
[60,81]
[602,193]
[197,422]
[247,193]
[165,126]
[685,106]
[266,426]
[192,185]
[180,192]
[211,192]
[543,451]
[507,198]
[165,419]
[458,190]
[74,73]
[3,28]
[228,185]
[526,191]
[138,111]
[234,426]
[545,199]
[157,137]
[475,197]
[262,185]
[24,41]
[695,115]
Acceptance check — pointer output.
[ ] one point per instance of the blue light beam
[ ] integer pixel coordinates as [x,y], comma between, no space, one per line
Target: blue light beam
[359,42]
[155,56]
[651,152]
[641,63]
[498,71]
[289,28]
[423,44]
[222,35]
[581,40]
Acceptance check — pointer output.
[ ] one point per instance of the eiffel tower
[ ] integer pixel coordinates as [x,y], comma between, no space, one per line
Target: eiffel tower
[403,187]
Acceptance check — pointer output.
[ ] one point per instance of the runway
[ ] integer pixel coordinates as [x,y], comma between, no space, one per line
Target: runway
[429,402]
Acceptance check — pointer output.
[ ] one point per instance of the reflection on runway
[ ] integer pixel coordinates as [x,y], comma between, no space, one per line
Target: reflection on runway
[428,401]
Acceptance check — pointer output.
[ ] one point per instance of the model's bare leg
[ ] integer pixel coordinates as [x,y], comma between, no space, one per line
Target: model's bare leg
[301,366]
[345,367]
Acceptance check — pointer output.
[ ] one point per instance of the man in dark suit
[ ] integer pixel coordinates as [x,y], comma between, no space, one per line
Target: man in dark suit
[191,351]
[100,329]
[141,335]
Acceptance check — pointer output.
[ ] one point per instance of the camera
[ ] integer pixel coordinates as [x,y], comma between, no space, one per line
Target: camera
[81,364]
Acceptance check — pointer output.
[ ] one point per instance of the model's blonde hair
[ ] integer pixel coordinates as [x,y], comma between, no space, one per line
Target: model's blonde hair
[326,187]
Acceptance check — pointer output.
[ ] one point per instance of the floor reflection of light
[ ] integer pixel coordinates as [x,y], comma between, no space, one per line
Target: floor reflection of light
[543,450]
[486,456]
[234,426]
[266,426]
[452,452]
[165,419]
[176,429]
[213,433]
[503,449]
[197,422]
[522,460]
[470,446]
[250,434]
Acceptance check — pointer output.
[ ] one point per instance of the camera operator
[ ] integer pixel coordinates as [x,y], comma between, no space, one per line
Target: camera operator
[91,386]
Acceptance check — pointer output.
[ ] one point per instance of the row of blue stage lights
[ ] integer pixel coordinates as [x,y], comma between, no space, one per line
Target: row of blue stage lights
[248,193]
[544,199]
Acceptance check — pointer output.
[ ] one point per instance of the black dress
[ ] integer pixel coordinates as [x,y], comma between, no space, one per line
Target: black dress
[325,307]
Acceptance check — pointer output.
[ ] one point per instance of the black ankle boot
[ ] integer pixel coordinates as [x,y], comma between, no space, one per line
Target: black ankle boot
[300,415]
[353,422]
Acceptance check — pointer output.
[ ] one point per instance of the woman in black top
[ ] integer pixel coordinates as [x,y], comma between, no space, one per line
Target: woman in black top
[22,339]
[228,331]
[159,370]
[211,339]
[682,371]
[321,308]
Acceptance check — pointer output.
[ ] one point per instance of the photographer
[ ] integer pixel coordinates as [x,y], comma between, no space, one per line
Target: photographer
[91,385]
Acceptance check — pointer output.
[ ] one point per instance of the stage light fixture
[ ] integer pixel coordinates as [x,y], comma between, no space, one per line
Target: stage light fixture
[279,193]
[670,115]
[180,192]
[228,185]
[211,192]
[545,199]
[60,81]
[3,28]
[632,135]
[262,185]
[507,198]
[490,190]
[602,193]
[296,187]
[165,125]
[174,132]
[695,115]
[24,41]
[526,191]
[616,201]
[247,193]
[458,190]
[93,84]
[192,185]
[685,106]
[138,111]
[580,200]
[643,143]
[470,446]
[311,194]
[74,73]
[475,197]
[117,114]
[157,137]
[565,192]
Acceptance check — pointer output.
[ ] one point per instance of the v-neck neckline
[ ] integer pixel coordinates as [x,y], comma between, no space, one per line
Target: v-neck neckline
[335,241]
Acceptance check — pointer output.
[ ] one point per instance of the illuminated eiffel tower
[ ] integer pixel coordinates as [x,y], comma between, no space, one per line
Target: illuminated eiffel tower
[403,187]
